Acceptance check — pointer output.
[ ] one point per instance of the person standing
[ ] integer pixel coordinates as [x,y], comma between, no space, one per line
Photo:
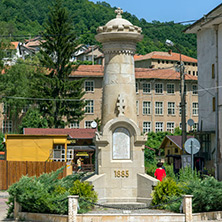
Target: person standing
[79,164]
[160,173]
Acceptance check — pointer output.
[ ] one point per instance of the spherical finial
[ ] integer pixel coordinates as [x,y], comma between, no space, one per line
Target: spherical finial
[118,11]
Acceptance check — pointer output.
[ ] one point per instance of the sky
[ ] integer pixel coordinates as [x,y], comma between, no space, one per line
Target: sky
[165,10]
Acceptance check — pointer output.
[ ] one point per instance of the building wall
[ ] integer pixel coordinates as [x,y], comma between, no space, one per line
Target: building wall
[151,97]
[206,51]
[30,148]
[190,68]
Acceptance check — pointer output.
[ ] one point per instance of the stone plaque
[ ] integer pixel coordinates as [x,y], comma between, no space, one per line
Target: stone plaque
[121,144]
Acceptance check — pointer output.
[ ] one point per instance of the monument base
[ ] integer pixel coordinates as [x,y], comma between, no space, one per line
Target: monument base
[142,196]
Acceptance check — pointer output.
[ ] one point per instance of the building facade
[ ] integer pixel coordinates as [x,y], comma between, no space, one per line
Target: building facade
[162,60]
[209,53]
[157,97]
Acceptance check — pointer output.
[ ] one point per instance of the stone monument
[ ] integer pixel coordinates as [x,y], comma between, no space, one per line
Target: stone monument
[120,174]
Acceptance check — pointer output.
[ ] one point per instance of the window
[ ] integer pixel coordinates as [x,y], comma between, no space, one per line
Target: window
[159,127]
[194,89]
[89,108]
[213,71]
[176,150]
[70,154]
[193,73]
[137,87]
[170,88]
[171,108]
[146,108]
[89,86]
[158,88]
[146,88]
[137,107]
[185,89]
[146,127]
[170,127]
[158,61]
[195,109]
[88,124]
[159,108]
[74,125]
[59,153]
[195,127]
[6,126]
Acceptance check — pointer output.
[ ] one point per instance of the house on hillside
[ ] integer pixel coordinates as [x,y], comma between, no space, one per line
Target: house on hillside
[209,52]
[12,53]
[160,60]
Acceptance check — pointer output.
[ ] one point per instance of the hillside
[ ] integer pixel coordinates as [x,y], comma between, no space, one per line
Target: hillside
[24,18]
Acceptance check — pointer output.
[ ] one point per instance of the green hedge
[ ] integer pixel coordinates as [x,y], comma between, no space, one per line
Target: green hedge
[48,194]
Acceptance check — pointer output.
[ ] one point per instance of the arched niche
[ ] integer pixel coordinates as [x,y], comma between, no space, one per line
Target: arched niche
[121,144]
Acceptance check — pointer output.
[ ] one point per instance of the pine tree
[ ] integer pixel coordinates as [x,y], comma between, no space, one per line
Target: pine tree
[65,102]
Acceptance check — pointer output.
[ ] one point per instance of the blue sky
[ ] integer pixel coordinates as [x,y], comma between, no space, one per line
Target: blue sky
[166,10]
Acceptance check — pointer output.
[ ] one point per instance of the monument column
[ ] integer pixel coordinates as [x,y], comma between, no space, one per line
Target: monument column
[121,174]
[119,38]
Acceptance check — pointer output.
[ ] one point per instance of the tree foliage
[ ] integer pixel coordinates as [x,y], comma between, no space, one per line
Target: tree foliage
[64,96]
[28,17]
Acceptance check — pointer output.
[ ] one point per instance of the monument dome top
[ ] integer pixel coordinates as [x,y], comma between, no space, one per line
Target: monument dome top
[119,24]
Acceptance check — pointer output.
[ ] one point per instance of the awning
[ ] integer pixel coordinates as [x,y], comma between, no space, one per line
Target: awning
[59,141]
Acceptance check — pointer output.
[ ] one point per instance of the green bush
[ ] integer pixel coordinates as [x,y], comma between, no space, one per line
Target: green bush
[207,194]
[187,175]
[164,190]
[45,194]
[87,196]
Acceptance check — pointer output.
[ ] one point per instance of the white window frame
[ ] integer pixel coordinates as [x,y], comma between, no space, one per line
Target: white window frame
[90,87]
[59,148]
[147,126]
[89,108]
[195,92]
[158,89]
[159,127]
[184,89]
[146,88]
[70,155]
[87,124]
[7,126]
[170,128]
[74,125]
[195,109]
[171,88]
[159,109]
[171,108]
[181,109]
[146,108]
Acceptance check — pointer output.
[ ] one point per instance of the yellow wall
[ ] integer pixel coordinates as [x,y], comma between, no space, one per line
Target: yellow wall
[31,147]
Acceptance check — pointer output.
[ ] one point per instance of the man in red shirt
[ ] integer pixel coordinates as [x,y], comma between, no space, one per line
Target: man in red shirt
[160,172]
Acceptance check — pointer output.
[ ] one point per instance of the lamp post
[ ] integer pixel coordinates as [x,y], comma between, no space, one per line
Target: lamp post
[183,96]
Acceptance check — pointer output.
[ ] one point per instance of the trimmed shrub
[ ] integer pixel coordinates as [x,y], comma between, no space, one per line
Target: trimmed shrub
[164,190]
[45,194]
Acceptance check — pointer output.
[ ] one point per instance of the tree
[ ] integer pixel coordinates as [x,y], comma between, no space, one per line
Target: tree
[63,96]
[33,119]
[16,84]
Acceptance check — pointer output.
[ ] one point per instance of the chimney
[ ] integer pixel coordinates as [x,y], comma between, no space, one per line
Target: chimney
[170,51]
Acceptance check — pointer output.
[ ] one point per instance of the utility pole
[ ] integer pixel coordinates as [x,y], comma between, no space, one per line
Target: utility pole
[183,96]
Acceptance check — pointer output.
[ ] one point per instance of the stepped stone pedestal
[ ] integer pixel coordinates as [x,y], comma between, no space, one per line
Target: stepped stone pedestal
[121,174]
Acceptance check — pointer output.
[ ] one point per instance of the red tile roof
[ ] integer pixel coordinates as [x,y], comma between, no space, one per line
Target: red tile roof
[140,73]
[167,56]
[73,133]
[13,45]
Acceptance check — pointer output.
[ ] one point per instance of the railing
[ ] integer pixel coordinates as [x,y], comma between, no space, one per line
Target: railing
[85,167]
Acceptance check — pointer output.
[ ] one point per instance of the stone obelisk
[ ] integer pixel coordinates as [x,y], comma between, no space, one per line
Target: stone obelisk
[121,176]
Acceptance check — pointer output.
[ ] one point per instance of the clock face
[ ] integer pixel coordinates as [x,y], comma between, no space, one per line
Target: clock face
[93,124]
